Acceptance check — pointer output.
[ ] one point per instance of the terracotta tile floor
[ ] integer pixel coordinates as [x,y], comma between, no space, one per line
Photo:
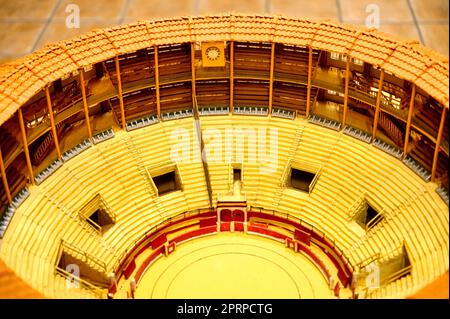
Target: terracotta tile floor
[27,25]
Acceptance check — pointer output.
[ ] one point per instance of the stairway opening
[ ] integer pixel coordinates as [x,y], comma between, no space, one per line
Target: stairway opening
[369,216]
[100,220]
[167,182]
[76,265]
[97,214]
[300,179]
[236,174]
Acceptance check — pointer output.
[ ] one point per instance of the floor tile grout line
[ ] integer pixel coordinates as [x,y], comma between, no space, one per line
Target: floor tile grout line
[339,10]
[413,14]
[267,6]
[196,8]
[47,22]
[124,12]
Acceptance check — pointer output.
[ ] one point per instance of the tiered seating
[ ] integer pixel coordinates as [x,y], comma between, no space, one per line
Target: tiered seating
[332,124]
[141,122]
[175,115]
[174,63]
[38,223]
[283,113]
[214,110]
[291,62]
[427,116]
[41,149]
[251,93]
[417,168]
[388,148]
[396,97]
[130,198]
[136,68]
[136,104]
[76,150]
[252,60]
[103,136]
[39,178]
[421,152]
[10,209]
[7,142]
[176,97]
[63,94]
[213,94]
[194,188]
[331,195]
[392,128]
[291,96]
[218,168]
[261,171]
[15,174]
[119,169]
[250,110]
[403,188]
[356,133]
[443,193]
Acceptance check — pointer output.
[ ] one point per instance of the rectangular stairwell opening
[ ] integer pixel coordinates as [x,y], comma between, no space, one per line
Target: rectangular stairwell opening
[301,180]
[81,268]
[97,214]
[167,182]
[237,174]
[370,216]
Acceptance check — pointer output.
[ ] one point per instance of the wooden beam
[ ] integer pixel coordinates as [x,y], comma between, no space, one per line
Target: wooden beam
[158,99]
[193,88]
[231,76]
[25,146]
[272,64]
[52,121]
[308,90]
[377,106]
[438,145]
[119,86]
[408,121]
[86,109]
[347,80]
[5,180]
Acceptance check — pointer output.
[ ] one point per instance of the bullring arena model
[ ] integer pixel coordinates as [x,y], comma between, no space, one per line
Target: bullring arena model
[226,156]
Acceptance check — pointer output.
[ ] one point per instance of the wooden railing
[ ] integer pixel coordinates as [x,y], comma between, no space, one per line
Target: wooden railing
[99,292]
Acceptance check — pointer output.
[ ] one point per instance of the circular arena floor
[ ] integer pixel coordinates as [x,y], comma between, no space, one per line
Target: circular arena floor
[233,266]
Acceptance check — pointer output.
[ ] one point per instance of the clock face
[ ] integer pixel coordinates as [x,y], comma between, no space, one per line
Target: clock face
[212,53]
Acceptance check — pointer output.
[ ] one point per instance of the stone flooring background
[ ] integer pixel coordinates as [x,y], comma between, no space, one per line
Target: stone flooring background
[27,25]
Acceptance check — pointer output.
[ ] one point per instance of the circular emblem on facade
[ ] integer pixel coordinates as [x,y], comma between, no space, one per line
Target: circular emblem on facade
[212,53]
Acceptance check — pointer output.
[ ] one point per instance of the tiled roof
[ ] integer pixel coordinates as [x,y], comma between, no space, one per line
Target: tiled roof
[408,60]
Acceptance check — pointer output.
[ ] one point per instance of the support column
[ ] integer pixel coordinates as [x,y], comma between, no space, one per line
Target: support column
[25,146]
[158,99]
[5,180]
[193,89]
[347,80]
[408,121]
[272,64]
[308,90]
[438,144]
[119,87]
[86,109]
[52,121]
[231,76]
[377,106]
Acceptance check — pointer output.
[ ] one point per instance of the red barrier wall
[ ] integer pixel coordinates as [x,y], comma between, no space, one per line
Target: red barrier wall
[208,226]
